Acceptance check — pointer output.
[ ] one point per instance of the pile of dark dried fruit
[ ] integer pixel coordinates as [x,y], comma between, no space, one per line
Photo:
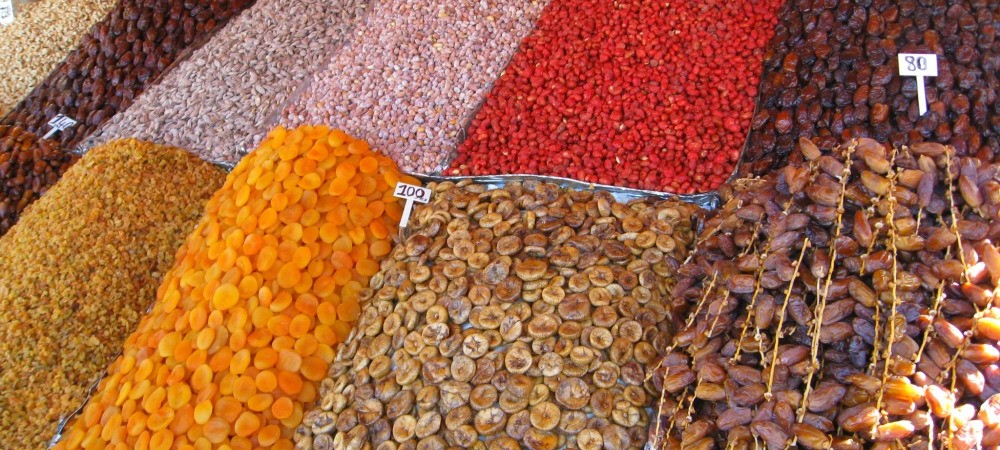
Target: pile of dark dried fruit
[29,166]
[831,73]
[846,300]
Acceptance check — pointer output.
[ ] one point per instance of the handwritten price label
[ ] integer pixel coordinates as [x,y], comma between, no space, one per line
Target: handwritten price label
[920,66]
[58,123]
[411,194]
[6,12]
[917,65]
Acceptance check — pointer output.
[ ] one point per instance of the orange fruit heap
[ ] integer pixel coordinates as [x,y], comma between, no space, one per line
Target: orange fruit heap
[244,325]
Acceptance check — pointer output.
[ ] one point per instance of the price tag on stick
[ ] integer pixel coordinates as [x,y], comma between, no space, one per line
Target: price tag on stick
[410,193]
[59,123]
[920,66]
[6,12]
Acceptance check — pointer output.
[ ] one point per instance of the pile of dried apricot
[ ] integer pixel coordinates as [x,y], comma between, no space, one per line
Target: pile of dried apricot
[244,325]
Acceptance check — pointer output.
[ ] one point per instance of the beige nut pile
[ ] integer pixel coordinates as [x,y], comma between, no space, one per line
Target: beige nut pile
[219,101]
[44,32]
[527,315]
[412,74]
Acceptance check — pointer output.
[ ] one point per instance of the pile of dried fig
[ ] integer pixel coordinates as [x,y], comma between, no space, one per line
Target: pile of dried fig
[522,316]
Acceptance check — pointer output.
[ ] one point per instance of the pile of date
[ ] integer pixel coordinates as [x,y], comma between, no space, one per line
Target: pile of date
[848,300]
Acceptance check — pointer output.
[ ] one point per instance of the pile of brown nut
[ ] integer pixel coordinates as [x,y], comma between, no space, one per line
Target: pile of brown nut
[116,60]
[527,315]
[845,301]
[43,33]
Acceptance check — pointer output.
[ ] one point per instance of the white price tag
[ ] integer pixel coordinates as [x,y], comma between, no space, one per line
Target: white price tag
[918,65]
[59,123]
[6,12]
[411,194]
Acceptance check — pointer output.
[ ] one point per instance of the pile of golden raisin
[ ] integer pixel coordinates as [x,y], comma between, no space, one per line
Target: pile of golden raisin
[81,268]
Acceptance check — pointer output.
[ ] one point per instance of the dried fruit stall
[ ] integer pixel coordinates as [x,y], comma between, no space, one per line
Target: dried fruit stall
[844,298]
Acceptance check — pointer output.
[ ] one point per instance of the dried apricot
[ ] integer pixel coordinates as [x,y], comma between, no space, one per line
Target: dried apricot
[248,286]
[306,345]
[269,435]
[150,402]
[379,248]
[244,388]
[299,326]
[282,408]
[289,382]
[358,147]
[337,137]
[244,326]
[266,258]
[366,267]
[216,430]
[160,418]
[367,186]
[201,377]
[368,164]
[289,275]
[307,304]
[324,333]
[178,396]
[278,325]
[318,152]
[266,381]
[161,440]
[289,361]
[225,297]
[287,152]
[267,219]
[310,181]
[246,424]
[313,368]
[338,186]
[279,202]
[301,258]
[228,408]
